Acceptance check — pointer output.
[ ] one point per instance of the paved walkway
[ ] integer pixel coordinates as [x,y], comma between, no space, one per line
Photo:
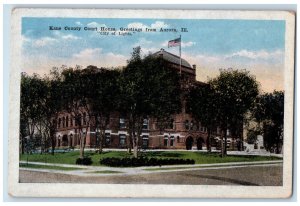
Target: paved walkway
[117,171]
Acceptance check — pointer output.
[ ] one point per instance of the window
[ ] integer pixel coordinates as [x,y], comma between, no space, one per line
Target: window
[187,125]
[170,124]
[122,139]
[166,139]
[178,139]
[71,121]
[63,121]
[172,141]
[145,141]
[107,139]
[146,124]
[77,119]
[122,123]
[67,121]
[192,125]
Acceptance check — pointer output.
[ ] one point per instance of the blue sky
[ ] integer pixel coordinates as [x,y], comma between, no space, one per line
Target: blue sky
[255,45]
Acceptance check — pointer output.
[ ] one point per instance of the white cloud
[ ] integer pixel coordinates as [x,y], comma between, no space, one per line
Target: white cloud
[159,24]
[266,66]
[155,25]
[143,42]
[95,56]
[78,23]
[95,24]
[188,44]
[44,41]
[70,37]
[183,44]
[262,54]
[47,40]
[42,64]
[88,53]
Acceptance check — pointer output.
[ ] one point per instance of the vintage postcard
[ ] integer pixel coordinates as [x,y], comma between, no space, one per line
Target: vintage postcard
[151,103]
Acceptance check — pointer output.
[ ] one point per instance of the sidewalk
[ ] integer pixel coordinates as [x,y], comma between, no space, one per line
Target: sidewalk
[108,171]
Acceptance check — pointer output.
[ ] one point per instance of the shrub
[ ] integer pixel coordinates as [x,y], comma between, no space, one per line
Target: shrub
[142,161]
[84,161]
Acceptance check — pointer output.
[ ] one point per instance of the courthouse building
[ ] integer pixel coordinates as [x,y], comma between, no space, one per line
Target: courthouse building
[183,131]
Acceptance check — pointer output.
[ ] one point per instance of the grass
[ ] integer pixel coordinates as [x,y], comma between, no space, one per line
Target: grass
[199,157]
[36,166]
[105,172]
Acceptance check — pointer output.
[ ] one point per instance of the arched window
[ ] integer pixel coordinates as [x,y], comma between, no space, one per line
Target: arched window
[59,122]
[71,121]
[145,124]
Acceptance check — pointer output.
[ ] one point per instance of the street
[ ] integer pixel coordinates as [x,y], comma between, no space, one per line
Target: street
[258,175]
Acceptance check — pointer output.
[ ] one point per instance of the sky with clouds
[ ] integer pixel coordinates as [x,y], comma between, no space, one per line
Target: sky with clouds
[254,45]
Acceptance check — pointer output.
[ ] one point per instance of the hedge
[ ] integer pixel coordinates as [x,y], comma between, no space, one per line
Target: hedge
[84,161]
[142,161]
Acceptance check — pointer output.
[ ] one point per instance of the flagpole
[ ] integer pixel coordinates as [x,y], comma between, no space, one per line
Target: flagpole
[180,54]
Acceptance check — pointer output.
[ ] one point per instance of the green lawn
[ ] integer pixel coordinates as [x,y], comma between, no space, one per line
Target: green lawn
[199,157]
[50,167]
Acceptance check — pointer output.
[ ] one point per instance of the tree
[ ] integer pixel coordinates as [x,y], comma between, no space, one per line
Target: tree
[52,104]
[236,91]
[269,113]
[203,105]
[148,87]
[31,112]
[75,87]
[102,98]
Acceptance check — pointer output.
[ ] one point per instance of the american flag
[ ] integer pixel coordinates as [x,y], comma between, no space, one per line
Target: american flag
[174,42]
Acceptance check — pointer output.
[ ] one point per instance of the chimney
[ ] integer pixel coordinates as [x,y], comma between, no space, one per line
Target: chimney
[194,66]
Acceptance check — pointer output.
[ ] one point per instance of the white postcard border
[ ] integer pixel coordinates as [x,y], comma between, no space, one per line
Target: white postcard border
[147,190]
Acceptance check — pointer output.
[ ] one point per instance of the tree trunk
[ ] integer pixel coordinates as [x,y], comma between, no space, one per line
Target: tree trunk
[22,145]
[102,136]
[225,142]
[208,141]
[222,147]
[135,151]
[81,139]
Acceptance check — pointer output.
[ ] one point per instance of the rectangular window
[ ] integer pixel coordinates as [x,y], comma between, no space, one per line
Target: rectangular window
[166,139]
[71,121]
[107,139]
[122,123]
[172,141]
[145,141]
[170,124]
[122,139]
